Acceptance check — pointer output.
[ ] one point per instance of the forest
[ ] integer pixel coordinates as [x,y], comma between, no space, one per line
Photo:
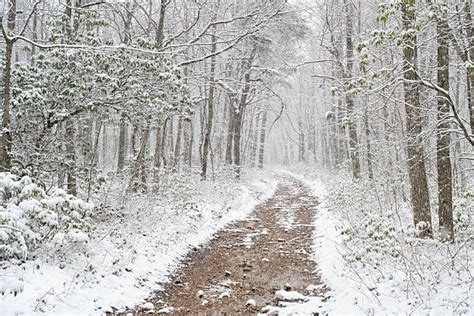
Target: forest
[280,157]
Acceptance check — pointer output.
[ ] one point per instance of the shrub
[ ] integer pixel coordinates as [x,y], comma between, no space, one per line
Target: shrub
[30,217]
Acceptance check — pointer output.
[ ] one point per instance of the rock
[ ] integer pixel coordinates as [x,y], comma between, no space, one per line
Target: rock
[148,306]
[290,296]
[312,288]
[251,302]
[287,287]
[200,294]
[227,273]
[166,310]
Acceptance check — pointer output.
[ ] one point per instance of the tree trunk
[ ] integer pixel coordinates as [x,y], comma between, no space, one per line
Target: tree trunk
[94,158]
[133,140]
[240,111]
[237,136]
[470,56]
[416,162]
[444,168]
[230,131]
[190,145]
[163,142]
[5,134]
[170,141]
[353,142]
[367,140]
[70,130]
[177,146]
[301,142]
[210,113]
[139,175]
[159,36]
[253,153]
[157,157]
[122,149]
[261,154]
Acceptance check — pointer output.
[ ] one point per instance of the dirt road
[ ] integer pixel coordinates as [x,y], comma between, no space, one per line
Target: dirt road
[252,264]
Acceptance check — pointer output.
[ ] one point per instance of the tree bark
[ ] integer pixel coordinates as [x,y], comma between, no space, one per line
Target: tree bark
[159,36]
[444,167]
[253,153]
[122,146]
[230,130]
[189,155]
[210,112]
[416,162]
[157,158]
[5,134]
[163,142]
[71,180]
[139,176]
[353,142]
[177,146]
[370,171]
[239,115]
[470,56]
[301,142]
[261,151]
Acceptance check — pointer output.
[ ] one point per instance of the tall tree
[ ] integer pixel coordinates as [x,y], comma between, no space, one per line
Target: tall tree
[420,198]
[263,130]
[210,111]
[444,166]
[239,111]
[5,135]
[353,141]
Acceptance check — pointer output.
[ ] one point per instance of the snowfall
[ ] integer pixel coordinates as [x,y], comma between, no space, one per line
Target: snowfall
[141,241]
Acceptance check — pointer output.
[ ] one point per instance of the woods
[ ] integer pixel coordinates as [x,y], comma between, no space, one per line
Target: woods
[108,55]
[111,106]
[401,86]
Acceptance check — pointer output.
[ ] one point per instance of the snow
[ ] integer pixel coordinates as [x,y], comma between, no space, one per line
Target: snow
[311,306]
[139,245]
[291,296]
[132,252]
[328,249]
[225,294]
[380,287]
[251,302]
[148,306]
[165,310]
[76,235]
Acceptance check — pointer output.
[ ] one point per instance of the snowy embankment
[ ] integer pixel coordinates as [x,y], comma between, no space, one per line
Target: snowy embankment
[368,257]
[133,251]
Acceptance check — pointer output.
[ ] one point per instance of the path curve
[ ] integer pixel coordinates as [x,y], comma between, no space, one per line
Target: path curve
[251,264]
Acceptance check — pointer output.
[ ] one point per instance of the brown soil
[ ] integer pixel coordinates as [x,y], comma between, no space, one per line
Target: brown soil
[250,259]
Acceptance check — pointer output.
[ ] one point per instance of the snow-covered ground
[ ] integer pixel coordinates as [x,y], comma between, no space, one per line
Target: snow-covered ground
[138,244]
[363,246]
[368,258]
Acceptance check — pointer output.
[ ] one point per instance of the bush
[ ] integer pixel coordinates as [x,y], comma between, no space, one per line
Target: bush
[30,217]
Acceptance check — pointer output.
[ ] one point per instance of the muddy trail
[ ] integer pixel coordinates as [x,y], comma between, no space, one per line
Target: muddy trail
[252,264]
